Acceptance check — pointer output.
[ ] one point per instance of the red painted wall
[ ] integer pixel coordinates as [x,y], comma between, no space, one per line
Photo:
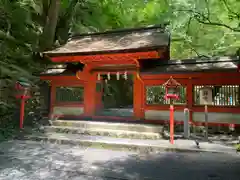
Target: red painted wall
[92,99]
[189,80]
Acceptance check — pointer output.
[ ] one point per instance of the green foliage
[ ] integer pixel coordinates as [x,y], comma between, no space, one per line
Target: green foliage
[238,147]
[205,27]
[18,41]
[198,28]
[102,15]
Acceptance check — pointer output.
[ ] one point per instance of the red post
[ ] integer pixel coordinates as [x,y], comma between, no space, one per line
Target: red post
[172,88]
[22,112]
[171,124]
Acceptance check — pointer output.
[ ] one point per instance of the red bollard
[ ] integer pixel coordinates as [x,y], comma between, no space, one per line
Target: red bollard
[22,106]
[22,93]
[172,93]
[171,124]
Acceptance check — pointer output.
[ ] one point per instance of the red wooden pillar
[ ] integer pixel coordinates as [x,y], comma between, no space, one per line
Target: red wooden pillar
[138,97]
[99,94]
[90,95]
[52,99]
[190,98]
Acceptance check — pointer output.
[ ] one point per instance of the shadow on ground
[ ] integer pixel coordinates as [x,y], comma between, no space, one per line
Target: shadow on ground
[172,166]
[26,160]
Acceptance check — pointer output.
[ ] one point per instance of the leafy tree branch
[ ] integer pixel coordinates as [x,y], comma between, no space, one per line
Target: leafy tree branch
[205,19]
[235,14]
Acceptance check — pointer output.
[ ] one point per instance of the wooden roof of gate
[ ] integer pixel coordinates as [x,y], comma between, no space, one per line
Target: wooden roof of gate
[145,39]
[214,64]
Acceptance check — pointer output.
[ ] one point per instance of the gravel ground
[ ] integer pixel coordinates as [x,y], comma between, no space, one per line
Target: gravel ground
[27,160]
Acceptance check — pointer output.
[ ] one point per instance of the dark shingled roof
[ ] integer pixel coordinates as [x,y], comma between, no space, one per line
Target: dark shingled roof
[126,40]
[193,65]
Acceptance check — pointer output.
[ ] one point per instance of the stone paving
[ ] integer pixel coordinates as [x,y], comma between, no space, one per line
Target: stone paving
[134,144]
[27,160]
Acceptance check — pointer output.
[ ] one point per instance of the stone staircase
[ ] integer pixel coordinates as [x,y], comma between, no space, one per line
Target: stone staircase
[100,134]
[142,138]
[116,130]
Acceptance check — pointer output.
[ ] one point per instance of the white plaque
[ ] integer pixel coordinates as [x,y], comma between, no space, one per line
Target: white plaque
[206,96]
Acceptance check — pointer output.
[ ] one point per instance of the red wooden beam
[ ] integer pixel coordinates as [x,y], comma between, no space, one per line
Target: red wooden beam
[68,104]
[219,109]
[205,76]
[102,58]
[164,107]
[158,82]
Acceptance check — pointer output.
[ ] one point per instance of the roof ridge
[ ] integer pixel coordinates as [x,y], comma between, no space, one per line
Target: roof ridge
[113,31]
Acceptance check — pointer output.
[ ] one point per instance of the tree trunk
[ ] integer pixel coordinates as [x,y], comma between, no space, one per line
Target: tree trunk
[64,22]
[49,30]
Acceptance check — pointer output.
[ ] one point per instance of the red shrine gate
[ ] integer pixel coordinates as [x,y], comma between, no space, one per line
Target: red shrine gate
[144,53]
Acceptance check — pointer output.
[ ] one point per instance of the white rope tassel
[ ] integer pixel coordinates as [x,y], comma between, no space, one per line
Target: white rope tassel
[99,77]
[118,75]
[125,75]
[108,76]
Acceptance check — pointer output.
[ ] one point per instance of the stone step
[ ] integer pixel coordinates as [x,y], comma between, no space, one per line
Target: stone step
[109,125]
[97,142]
[124,144]
[103,132]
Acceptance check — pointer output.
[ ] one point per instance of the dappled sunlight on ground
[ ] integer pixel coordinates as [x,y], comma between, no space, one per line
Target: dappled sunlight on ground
[27,160]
